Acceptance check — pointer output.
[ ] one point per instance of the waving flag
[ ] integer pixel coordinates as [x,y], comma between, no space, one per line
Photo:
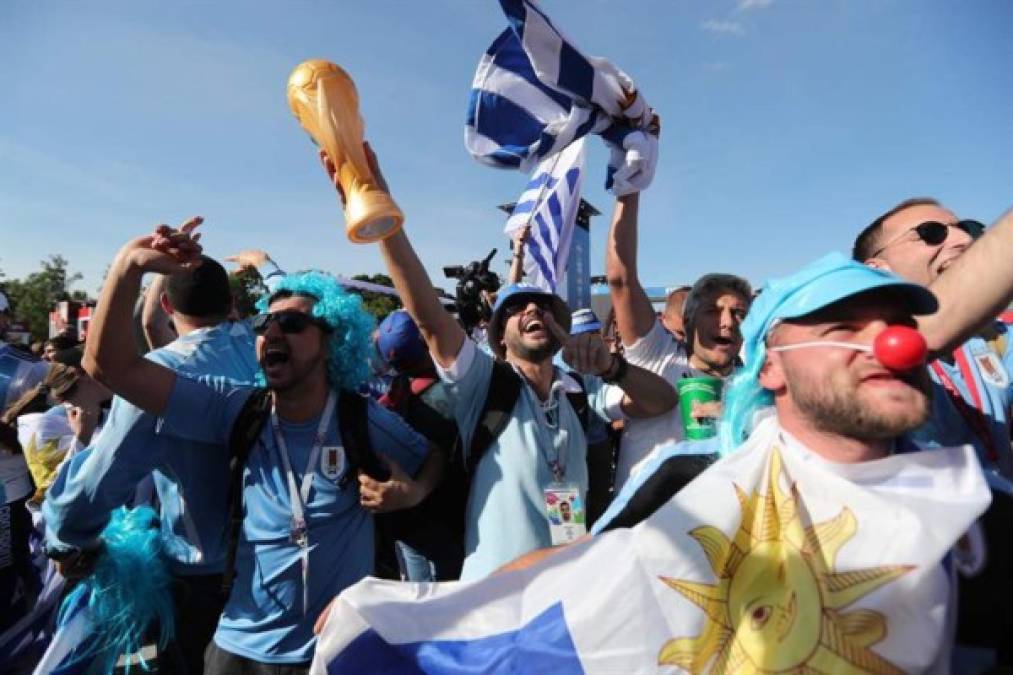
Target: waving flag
[549,205]
[535,93]
[772,561]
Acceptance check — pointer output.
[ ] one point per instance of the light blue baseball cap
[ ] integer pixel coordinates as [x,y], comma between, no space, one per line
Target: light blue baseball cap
[832,278]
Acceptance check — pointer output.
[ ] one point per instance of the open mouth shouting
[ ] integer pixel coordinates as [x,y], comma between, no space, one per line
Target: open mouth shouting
[533,325]
[275,356]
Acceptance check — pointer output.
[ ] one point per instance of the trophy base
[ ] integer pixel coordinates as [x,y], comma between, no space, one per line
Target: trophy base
[372,218]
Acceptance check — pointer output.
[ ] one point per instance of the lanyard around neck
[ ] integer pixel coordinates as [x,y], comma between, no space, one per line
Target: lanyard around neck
[973,415]
[299,495]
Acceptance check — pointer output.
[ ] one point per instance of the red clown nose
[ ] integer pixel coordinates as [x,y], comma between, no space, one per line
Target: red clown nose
[900,348]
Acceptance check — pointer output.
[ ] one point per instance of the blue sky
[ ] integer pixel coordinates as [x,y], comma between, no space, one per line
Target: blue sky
[787,125]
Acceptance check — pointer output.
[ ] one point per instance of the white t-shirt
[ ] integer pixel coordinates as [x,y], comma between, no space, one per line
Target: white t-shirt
[663,355]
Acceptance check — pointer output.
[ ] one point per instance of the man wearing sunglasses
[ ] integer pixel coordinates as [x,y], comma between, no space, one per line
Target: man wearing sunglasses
[307,531]
[539,457]
[188,475]
[922,241]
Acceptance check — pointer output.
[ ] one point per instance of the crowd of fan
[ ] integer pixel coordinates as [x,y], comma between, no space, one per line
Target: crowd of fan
[294,452]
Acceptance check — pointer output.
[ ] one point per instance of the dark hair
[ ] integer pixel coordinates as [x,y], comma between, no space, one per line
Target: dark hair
[70,357]
[704,286]
[868,239]
[61,342]
[202,292]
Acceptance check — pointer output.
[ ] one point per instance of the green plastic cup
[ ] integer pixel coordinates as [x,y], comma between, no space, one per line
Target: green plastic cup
[703,389]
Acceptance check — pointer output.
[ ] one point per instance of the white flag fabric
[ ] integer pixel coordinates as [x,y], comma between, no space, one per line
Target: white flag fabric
[549,204]
[534,93]
[773,560]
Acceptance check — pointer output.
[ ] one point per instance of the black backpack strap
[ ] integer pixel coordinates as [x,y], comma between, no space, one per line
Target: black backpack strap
[245,431]
[673,475]
[578,399]
[353,424]
[504,389]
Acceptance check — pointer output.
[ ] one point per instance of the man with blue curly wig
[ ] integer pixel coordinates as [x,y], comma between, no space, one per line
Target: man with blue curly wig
[305,529]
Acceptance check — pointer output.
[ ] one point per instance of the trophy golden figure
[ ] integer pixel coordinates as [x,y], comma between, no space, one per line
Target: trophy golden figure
[323,98]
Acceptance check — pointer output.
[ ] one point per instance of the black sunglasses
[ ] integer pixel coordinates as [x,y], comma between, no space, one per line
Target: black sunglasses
[289,321]
[934,233]
[518,306]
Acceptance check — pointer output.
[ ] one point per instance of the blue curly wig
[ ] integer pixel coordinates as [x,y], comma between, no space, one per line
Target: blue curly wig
[352,327]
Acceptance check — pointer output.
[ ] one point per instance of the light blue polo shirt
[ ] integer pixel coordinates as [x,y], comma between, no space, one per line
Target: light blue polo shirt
[264,619]
[188,474]
[505,516]
[992,375]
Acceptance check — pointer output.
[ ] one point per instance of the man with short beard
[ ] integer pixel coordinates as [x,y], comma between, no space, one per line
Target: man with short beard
[814,386]
[539,456]
[808,351]
[306,531]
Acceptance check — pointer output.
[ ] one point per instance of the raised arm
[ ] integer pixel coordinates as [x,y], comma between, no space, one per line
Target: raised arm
[442,333]
[110,354]
[976,287]
[520,240]
[634,313]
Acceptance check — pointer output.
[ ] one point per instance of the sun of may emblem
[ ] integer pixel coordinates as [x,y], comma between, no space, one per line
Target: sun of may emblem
[779,603]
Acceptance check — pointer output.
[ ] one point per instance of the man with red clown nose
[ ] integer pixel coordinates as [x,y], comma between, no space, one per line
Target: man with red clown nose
[833,353]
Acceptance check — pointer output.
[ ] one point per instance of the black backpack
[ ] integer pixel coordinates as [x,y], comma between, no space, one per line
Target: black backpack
[443,509]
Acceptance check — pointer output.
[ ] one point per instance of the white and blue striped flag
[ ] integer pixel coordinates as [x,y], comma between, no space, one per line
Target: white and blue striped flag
[549,205]
[535,93]
[772,560]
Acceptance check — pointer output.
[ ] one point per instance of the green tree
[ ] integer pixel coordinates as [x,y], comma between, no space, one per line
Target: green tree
[377,304]
[35,295]
[247,288]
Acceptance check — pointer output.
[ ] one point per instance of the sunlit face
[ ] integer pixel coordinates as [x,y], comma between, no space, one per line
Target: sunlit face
[289,358]
[48,352]
[525,334]
[845,391]
[911,258]
[717,339]
[774,603]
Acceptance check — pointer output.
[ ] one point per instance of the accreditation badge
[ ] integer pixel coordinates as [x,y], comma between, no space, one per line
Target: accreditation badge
[332,461]
[991,369]
[565,512]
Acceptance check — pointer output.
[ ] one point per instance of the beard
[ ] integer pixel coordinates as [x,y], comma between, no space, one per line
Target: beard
[534,354]
[838,406]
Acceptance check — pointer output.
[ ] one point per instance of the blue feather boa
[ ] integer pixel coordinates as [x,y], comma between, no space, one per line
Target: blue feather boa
[129,589]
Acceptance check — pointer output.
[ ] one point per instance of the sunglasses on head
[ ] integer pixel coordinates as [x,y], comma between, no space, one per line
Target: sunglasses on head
[933,233]
[289,321]
[515,308]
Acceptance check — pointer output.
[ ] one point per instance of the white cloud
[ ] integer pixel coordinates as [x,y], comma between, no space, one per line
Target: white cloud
[723,27]
[746,5]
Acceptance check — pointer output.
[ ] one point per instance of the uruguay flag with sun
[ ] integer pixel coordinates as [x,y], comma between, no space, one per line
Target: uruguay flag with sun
[773,560]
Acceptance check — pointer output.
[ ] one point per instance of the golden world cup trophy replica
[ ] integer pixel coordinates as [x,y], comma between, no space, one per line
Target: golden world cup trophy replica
[323,98]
